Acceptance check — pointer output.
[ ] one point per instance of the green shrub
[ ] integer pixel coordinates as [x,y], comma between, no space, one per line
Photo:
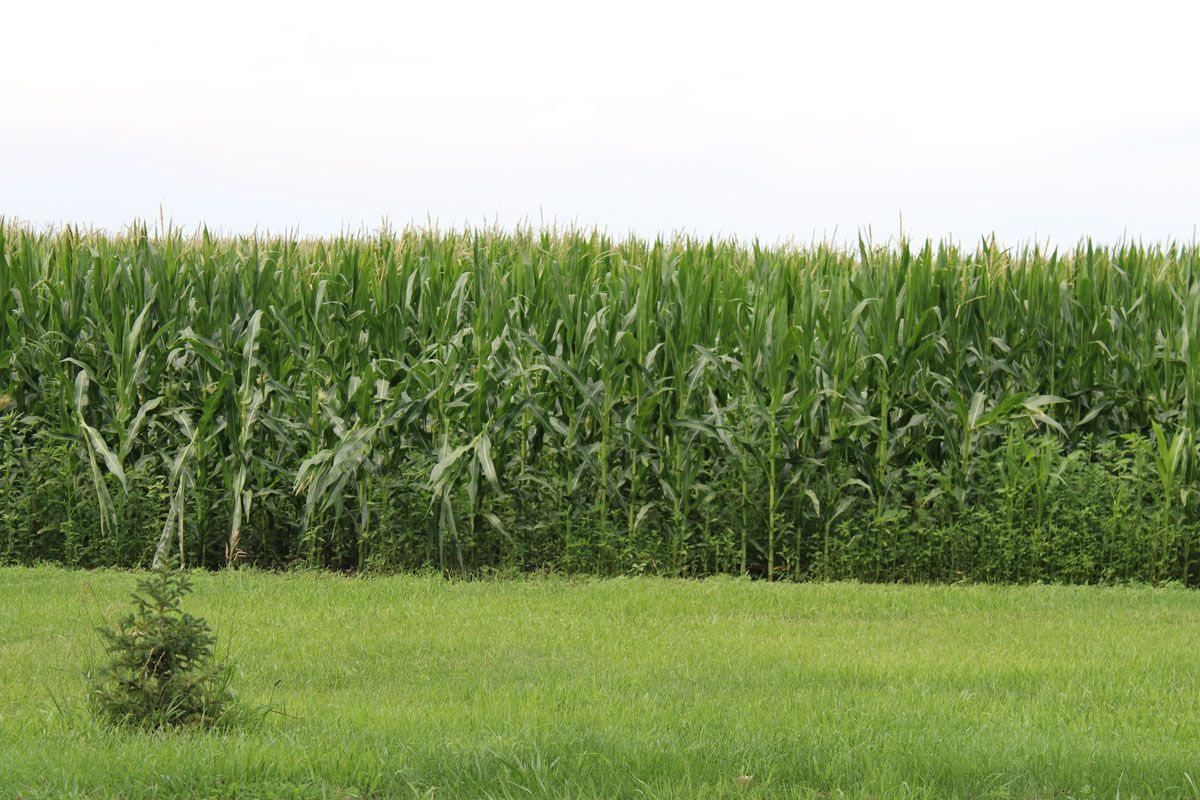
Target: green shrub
[162,670]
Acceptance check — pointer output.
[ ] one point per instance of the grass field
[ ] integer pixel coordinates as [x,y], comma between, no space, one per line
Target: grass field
[639,687]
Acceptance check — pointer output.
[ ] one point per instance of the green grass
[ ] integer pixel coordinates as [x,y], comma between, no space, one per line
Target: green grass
[634,687]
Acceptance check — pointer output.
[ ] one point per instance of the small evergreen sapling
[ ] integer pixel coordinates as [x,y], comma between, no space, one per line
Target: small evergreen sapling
[162,670]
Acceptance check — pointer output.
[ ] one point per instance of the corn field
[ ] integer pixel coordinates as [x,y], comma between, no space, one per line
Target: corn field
[477,401]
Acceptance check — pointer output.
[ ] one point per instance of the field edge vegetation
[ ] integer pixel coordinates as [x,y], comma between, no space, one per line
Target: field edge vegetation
[561,400]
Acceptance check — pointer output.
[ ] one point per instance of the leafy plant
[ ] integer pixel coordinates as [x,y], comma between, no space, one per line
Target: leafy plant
[477,399]
[162,670]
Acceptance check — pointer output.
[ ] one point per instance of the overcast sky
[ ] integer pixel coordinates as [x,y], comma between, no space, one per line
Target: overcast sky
[757,119]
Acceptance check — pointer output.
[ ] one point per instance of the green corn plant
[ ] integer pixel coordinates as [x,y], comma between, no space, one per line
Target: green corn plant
[97,450]
[566,400]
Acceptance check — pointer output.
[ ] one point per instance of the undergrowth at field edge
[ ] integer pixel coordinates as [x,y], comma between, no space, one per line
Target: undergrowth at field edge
[565,401]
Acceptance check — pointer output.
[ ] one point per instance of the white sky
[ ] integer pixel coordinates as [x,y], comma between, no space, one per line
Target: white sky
[1033,119]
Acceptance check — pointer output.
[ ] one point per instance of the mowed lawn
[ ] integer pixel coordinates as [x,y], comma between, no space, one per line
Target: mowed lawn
[421,687]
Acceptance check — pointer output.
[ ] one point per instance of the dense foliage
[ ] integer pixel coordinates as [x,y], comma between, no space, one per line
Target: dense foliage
[162,670]
[471,400]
